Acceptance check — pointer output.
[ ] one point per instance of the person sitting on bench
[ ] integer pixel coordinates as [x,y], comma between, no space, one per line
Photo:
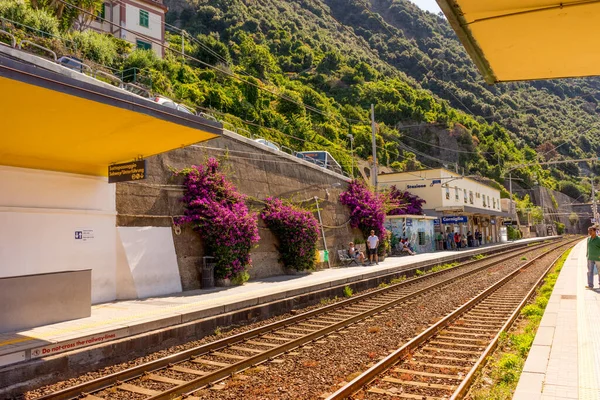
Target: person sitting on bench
[406,247]
[353,252]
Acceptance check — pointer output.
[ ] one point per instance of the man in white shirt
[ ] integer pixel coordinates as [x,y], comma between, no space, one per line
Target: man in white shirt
[373,243]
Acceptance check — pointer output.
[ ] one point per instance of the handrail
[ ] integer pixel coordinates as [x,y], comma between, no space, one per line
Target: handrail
[20,47]
[14,39]
[81,63]
[131,85]
[109,76]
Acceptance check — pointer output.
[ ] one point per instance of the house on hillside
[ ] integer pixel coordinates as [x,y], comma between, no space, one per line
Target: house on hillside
[141,22]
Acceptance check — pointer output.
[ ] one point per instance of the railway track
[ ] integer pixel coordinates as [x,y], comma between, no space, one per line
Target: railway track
[441,363]
[185,372]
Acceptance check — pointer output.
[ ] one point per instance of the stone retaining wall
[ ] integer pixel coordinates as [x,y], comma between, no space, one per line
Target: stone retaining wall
[258,172]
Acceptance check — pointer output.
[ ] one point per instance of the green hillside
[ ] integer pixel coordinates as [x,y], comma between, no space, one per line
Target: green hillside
[305,72]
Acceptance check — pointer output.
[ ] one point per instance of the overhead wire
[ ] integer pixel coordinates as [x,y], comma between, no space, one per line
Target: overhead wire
[208,65]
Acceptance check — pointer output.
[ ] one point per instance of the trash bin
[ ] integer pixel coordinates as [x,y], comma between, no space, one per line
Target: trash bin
[208,272]
[325,255]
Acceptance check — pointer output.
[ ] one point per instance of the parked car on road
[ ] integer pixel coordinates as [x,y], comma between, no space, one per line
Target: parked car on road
[267,143]
[164,101]
[70,62]
[322,159]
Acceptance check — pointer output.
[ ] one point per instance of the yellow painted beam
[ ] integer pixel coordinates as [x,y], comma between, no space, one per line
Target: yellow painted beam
[43,128]
[511,40]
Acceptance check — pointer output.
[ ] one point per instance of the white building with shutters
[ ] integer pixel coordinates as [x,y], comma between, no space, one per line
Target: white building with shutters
[141,22]
[460,203]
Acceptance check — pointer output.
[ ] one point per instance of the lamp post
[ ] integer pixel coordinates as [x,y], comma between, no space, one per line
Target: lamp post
[351,137]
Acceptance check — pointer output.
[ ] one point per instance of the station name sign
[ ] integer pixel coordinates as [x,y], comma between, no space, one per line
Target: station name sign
[415,186]
[455,220]
[131,171]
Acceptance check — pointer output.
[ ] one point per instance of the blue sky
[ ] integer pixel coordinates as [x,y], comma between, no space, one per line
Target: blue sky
[429,5]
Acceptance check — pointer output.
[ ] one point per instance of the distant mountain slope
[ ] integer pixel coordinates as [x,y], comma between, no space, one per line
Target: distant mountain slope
[342,55]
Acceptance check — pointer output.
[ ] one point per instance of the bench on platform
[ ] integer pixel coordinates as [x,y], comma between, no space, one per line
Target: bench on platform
[345,259]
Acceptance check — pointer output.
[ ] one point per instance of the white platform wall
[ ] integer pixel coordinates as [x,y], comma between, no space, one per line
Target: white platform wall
[152,264]
[40,212]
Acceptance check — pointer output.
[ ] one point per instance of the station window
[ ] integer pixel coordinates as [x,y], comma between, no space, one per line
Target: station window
[484,203]
[456,193]
[465,195]
[494,203]
[144,18]
[140,44]
[447,193]
[489,205]
[421,238]
[471,196]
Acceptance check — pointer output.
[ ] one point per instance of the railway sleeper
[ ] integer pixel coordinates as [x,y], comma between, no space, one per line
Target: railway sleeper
[376,390]
[419,384]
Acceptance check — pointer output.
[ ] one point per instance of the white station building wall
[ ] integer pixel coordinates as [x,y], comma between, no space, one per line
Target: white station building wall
[52,221]
[40,213]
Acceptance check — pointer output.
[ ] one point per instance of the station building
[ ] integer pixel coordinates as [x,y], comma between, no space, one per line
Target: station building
[60,247]
[458,203]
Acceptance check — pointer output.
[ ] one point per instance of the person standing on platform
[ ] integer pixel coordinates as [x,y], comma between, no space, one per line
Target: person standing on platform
[450,240]
[373,243]
[592,255]
[457,240]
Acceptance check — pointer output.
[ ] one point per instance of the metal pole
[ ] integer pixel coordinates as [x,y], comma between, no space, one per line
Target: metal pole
[594,205]
[511,196]
[322,230]
[183,43]
[374,145]
[351,137]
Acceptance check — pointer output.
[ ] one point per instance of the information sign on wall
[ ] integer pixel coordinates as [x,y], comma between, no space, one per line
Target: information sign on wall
[83,235]
[455,220]
[131,171]
[408,221]
[436,222]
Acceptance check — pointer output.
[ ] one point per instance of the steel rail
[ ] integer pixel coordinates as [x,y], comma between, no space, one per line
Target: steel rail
[188,388]
[465,385]
[138,371]
[376,370]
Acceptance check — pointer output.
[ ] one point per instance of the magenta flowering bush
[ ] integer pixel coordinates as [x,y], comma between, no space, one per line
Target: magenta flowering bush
[367,209]
[297,230]
[405,203]
[217,211]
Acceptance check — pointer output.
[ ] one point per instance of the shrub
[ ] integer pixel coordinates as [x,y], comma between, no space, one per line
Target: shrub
[38,21]
[95,46]
[348,292]
[297,231]
[367,210]
[218,213]
[404,203]
[141,59]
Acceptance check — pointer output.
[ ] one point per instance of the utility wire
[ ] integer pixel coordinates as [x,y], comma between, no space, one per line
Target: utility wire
[227,73]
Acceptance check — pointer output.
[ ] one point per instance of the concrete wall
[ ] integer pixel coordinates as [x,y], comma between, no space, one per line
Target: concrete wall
[34,300]
[40,212]
[258,172]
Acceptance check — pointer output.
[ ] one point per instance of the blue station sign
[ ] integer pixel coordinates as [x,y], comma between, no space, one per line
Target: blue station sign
[455,220]
[408,221]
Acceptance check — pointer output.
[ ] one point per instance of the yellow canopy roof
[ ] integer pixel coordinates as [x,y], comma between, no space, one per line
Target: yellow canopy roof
[513,40]
[53,122]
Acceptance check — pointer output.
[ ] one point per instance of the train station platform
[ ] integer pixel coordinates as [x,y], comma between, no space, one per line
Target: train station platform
[143,325]
[564,361]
